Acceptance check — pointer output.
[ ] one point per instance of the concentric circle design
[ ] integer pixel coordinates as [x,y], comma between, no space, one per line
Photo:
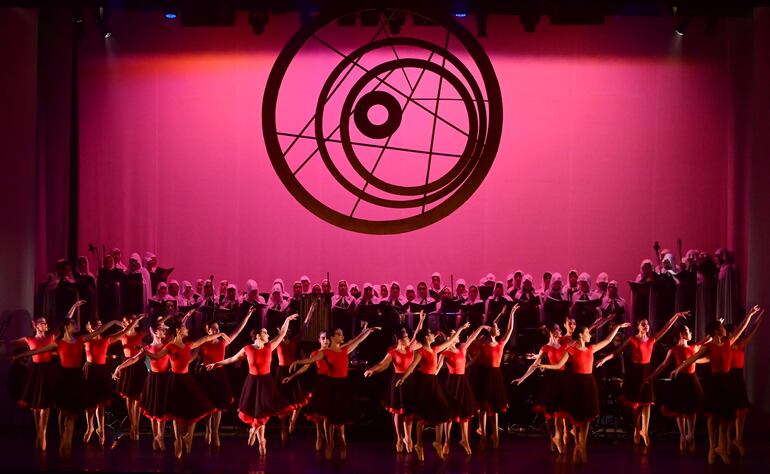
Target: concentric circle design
[349,190]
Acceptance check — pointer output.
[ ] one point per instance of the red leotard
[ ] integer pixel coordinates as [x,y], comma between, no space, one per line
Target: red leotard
[641,351]
[681,354]
[259,359]
[160,365]
[287,352]
[38,342]
[428,361]
[566,340]
[491,355]
[338,362]
[720,356]
[321,366]
[455,361]
[96,350]
[213,351]
[132,344]
[180,357]
[738,360]
[553,354]
[582,361]
[401,360]
[70,354]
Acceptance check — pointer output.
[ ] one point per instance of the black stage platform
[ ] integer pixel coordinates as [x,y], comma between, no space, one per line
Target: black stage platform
[516,454]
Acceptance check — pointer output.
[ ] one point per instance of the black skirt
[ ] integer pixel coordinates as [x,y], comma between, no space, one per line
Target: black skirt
[99,385]
[636,392]
[339,406]
[319,399]
[38,390]
[720,396]
[260,399]
[185,400]
[549,394]
[131,382]
[216,385]
[489,388]
[460,389]
[70,391]
[396,399]
[740,396]
[582,402]
[152,401]
[685,396]
[292,392]
[430,401]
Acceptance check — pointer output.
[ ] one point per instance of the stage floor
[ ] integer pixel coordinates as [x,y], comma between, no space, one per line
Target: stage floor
[516,454]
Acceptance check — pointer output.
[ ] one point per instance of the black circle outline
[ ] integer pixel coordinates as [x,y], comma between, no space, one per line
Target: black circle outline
[366,126]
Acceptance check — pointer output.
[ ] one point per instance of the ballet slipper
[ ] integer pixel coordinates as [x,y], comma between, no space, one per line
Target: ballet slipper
[739,447]
[637,437]
[263,447]
[691,444]
[723,455]
[207,436]
[154,444]
[556,443]
[329,452]
[445,451]
[682,444]
[408,444]
[178,448]
[645,437]
[712,457]
[439,449]
[319,443]
[343,450]
[292,424]
[187,439]
[87,436]
[217,443]
[399,445]
[102,436]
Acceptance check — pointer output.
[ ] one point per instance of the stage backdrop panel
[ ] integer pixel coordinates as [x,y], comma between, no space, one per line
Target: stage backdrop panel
[613,137]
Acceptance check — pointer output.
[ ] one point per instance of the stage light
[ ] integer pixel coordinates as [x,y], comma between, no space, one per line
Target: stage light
[170,15]
[481,25]
[681,27]
[395,22]
[258,22]
[370,18]
[461,15]
[103,17]
[529,22]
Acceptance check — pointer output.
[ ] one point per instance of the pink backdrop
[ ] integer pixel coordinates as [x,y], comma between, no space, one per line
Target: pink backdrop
[613,137]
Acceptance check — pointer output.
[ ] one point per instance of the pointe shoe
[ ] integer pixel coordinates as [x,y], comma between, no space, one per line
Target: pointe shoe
[329,452]
[712,456]
[556,443]
[645,437]
[682,444]
[178,449]
[87,436]
[637,437]
[399,445]
[419,452]
[739,447]
[478,431]
[43,444]
[207,436]
[445,451]
[102,436]
[263,447]
[723,455]
[439,449]
[216,441]
[292,425]
[408,445]
[319,443]
[495,440]
[343,450]
[187,439]
[466,447]
[155,444]
[161,444]
[691,444]
[252,436]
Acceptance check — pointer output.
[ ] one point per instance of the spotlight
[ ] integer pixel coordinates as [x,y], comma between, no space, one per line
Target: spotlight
[258,21]
[461,15]
[170,15]
[481,25]
[681,27]
[347,20]
[395,22]
[103,16]
[370,18]
[529,22]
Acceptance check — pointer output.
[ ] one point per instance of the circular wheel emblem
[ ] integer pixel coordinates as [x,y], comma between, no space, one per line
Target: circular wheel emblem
[437,134]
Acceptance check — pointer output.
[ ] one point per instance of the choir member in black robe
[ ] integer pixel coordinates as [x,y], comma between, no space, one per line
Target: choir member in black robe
[435,286]
[474,307]
[602,282]
[572,278]
[108,290]
[343,305]
[118,260]
[728,288]
[65,291]
[86,282]
[498,305]
[304,281]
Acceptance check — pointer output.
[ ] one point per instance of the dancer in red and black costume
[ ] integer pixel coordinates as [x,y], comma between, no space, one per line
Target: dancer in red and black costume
[430,401]
[320,385]
[459,387]
[291,391]
[152,400]
[186,403]
[99,385]
[131,382]
[336,405]
[720,393]
[549,396]
[685,399]
[260,398]
[38,392]
[637,393]
[215,383]
[70,389]
[737,364]
[486,377]
[582,405]
[395,401]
